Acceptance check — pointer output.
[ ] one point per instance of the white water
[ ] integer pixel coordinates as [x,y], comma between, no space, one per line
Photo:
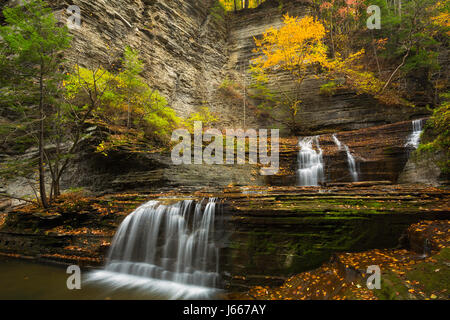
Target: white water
[350,159]
[414,137]
[351,165]
[338,143]
[168,250]
[310,162]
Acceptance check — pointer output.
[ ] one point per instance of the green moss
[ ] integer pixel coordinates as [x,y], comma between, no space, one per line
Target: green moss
[329,88]
[433,276]
[392,288]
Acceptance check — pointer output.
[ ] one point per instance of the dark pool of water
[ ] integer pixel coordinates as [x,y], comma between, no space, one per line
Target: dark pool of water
[26,280]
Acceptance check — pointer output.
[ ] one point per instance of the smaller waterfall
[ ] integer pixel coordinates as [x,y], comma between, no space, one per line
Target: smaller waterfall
[338,143]
[310,162]
[414,137]
[350,159]
[351,165]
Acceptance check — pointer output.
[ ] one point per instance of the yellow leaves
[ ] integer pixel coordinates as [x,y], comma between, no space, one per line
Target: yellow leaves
[442,16]
[293,47]
[101,148]
[298,45]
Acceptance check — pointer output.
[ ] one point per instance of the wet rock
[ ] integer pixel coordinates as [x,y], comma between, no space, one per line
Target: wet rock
[428,236]
[424,169]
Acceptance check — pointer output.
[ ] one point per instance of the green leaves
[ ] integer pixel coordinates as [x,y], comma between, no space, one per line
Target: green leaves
[32,35]
[122,98]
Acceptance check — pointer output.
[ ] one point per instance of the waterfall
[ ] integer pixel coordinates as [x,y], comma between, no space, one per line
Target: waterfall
[310,162]
[414,138]
[350,159]
[351,165]
[338,143]
[168,250]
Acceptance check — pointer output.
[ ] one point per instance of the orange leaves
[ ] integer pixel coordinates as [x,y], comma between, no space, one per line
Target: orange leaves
[331,281]
[78,259]
[3,217]
[436,232]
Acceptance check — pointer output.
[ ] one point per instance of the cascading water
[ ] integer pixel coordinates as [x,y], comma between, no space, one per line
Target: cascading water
[350,159]
[166,250]
[414,137]
[310,162]
[337,142]
[351,165]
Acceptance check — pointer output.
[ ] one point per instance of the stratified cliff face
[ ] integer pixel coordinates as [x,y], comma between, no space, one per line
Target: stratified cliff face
[181,43]
[343,111]
[189,49]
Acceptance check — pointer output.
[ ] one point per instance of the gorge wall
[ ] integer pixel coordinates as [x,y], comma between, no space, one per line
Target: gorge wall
[189,51]
[189,48]
[343,111]
[180,42]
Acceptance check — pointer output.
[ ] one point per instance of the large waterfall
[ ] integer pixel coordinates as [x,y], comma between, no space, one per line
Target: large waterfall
[310,162]
[414,138]
[350,159]
[167,250]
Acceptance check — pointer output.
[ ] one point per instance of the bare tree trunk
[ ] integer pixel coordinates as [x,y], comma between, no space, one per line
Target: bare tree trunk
[41,143]
[129,116]
[388,82]
[376,54]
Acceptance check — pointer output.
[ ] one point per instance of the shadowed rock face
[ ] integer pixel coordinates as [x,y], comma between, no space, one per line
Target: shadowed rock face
[284,231]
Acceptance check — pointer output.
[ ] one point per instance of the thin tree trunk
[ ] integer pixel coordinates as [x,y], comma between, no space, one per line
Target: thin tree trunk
[128,117]
[388,82]
[376,54]
[16,198]
[41,143]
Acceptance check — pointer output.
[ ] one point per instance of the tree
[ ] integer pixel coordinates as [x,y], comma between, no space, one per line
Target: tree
[235,5]
[295,48]
[122,99]
[132,68]
[32,45]
[407,47]
[437,134]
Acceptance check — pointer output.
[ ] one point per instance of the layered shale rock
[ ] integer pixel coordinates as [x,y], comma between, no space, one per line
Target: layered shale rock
[278,232]
[343,111]
[270,233]
[379,152]
[182,43]
[189,48]
[195,56]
